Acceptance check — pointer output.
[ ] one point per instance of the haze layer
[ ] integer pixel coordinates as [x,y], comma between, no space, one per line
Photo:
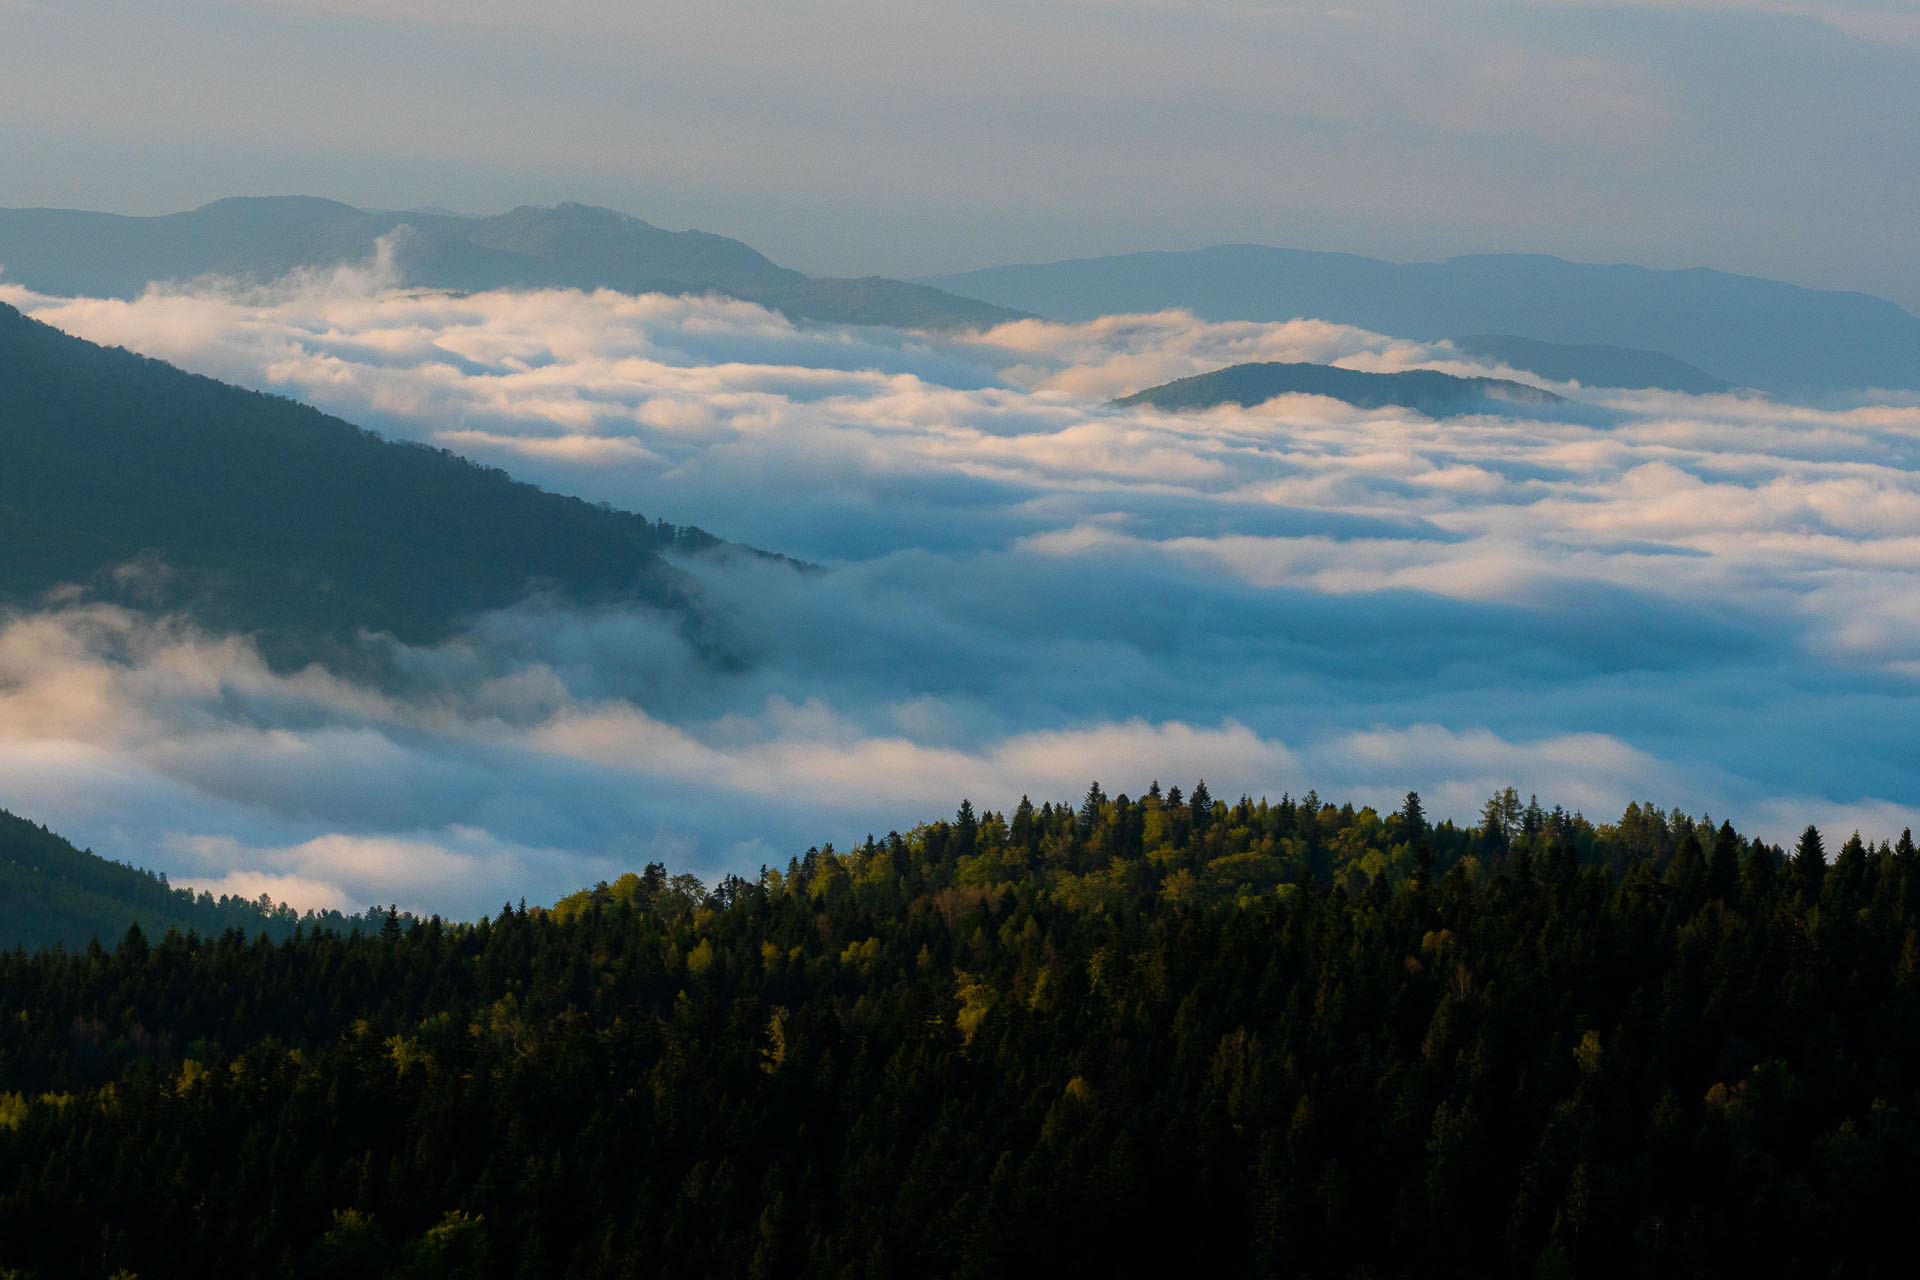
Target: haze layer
[1024,587]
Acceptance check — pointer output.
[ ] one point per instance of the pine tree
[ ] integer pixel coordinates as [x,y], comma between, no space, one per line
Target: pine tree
[1413,818]
[965,827]
[1090,807]
[1022,832]
[1757,874]
[1849,872]
[1810,864]
[1723,872]
[1687,873]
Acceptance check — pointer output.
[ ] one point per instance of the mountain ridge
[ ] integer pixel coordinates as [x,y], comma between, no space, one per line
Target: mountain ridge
[1593,364]
[571,245]
[1779,338]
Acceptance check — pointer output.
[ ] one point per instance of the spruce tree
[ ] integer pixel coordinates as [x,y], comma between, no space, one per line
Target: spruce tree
[1810,864]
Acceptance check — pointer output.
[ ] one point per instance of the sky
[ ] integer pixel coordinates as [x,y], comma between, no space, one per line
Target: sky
[1699,601]
[1769,137]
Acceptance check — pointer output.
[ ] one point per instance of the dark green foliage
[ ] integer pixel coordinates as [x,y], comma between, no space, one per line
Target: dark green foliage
[1723,873]
[54,894]
[1428,390]
[67,251]
[1810,864]
[1144,1038]
[253,513]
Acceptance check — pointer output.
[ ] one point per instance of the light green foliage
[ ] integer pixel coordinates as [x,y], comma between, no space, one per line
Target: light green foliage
[1587,1053]
[976,999]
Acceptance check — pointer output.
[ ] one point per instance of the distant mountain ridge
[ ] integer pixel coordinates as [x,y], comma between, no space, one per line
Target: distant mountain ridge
[65,251]
[1430,391]
[1593,365]
[1774,337]
[251,513]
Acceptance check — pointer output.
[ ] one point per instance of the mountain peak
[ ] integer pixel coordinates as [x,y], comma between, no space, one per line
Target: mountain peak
[1428,391]
[281,204]
[573,211]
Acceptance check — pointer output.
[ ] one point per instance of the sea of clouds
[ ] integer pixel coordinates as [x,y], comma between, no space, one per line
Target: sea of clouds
[1707,601]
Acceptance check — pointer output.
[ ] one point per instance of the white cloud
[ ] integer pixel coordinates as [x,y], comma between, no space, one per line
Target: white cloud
[1702,601]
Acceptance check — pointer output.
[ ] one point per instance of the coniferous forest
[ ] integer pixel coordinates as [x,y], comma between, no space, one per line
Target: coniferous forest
[1163,1035]
[51,892]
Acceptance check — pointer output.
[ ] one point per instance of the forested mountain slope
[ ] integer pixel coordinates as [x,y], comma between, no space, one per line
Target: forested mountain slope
[1430,391]
[1158,1035]
[1776,337]
[52,893]
[256,514]
[69,251]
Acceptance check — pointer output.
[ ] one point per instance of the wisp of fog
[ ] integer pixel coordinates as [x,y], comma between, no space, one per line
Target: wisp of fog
[1022,588]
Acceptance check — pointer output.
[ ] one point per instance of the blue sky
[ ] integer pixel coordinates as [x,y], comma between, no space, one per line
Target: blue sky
[1763,136]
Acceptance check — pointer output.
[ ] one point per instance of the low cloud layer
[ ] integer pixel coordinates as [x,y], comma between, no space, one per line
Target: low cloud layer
[1708,601]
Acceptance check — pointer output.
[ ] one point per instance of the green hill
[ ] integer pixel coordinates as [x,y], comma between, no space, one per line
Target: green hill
[251,513]
[1157,1035]
[67,251]
[1431,392]
[54,894]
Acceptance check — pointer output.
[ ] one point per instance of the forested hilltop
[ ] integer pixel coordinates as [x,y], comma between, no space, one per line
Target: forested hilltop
[1430,391]
[1161,1035]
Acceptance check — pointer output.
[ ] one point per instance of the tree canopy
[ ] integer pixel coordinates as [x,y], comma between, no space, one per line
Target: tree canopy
[1109,1036]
